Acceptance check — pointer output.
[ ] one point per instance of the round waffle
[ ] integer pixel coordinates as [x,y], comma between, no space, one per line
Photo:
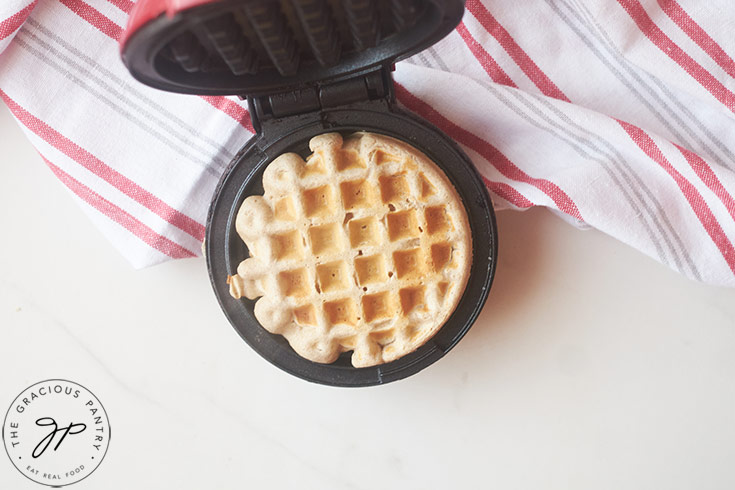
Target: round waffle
[363,247]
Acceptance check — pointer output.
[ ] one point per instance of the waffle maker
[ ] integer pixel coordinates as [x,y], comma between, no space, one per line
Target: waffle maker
[308,67]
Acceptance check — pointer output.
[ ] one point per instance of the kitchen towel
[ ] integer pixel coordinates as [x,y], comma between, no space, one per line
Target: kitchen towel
[615,114]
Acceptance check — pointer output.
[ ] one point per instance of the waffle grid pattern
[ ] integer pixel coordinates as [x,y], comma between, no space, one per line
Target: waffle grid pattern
[363,247]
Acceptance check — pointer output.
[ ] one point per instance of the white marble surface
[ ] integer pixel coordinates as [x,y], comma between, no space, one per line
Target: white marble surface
[591,366]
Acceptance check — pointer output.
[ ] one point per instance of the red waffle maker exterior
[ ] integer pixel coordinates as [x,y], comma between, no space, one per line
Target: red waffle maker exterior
[308,67]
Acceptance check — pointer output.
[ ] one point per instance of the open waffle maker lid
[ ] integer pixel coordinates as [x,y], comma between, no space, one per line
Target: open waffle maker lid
[258,47]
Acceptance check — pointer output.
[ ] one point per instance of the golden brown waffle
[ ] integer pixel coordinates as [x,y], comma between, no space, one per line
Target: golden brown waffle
[363,247]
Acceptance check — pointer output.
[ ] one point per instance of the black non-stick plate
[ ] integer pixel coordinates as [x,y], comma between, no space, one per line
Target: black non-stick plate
[225,250]
[257,47]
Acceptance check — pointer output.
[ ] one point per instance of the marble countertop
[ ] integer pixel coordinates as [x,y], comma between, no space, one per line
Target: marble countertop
[591,366]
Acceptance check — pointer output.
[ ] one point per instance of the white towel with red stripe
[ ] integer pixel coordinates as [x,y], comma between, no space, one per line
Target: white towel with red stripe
[616,114]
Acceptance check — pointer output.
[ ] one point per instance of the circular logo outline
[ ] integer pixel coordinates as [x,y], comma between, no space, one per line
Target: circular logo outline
[5,419]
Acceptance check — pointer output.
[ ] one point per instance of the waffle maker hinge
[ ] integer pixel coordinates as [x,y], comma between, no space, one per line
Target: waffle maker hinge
[373,87]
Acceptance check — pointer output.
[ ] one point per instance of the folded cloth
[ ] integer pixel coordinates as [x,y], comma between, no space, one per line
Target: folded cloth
[615,114]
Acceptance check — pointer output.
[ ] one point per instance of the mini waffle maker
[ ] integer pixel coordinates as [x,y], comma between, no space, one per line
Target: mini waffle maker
[308,67]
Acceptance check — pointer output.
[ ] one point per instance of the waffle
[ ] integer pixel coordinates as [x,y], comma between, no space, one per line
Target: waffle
[363,247]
